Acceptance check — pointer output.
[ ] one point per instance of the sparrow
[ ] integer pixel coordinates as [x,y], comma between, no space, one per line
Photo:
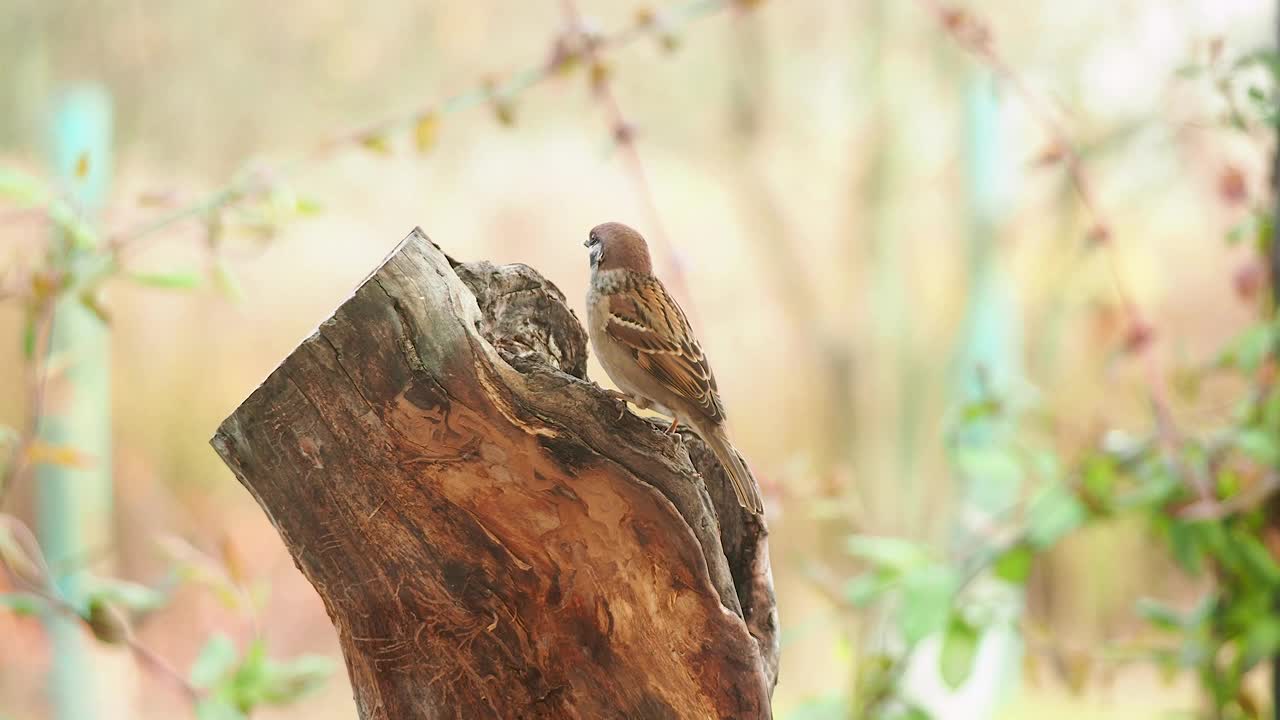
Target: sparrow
[644,342]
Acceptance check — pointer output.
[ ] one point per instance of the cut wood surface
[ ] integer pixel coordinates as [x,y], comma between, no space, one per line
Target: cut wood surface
[489,538]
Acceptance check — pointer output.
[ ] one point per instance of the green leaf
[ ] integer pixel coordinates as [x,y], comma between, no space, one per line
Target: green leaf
[22,189]
[830,707]
[1183,542]
[959,646]
[192,565]
[1100,479]
[876,675]
[1266,225]
[1045,465]
[887,552]
[281,204]
[1266,57]
[842,651]
[21,603]
[1053,513]
[29,192]
[224,278]
[1156,486]
[1212,536]
[982,409]
[288,681]
[926,601]
[1260,445]
[66,219]
[1237,233]
[1262,639]
[988,461]
[177,280]
[127,594]
[376,143]
[217,708]
[15,555]
[214,662]
[995,473]
[1257,560]
[247,683]
[1271,411]
[504,110]
[865,588]
[89,301]
[1202,612]
[1247,351]
[307,207]
[426,129]
[1014,565]
[1159,614]
[106,621]
[29,337]
[262,680]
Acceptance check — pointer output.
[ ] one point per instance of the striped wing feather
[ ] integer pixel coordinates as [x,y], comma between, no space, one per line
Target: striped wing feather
[652,325]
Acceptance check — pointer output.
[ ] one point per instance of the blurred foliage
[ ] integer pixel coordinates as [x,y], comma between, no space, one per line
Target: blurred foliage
[1208,494]
[1202,490]
[233,685]
[224,683]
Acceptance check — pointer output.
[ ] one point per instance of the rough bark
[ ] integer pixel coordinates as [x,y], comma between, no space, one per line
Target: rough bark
[490,539]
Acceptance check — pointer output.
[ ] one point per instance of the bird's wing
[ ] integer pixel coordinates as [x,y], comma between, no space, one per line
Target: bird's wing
[647,321]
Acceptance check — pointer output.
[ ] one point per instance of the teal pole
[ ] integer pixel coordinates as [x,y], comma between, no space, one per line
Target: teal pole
[75,503]
[989,361]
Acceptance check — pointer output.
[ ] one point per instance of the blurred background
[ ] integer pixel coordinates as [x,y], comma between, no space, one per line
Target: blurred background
[868,208]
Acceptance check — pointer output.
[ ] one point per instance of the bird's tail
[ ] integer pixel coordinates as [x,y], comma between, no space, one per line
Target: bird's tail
[744,484]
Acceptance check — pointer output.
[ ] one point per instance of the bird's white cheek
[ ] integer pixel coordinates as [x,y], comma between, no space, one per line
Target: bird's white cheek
[597,253]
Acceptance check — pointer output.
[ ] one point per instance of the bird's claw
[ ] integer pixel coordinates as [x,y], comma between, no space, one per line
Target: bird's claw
[621,399]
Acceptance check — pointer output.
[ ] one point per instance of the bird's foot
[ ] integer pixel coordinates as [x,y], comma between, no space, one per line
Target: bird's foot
[674,423]
[621,399]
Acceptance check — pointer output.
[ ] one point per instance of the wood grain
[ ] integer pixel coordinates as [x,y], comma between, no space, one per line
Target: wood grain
[489,538]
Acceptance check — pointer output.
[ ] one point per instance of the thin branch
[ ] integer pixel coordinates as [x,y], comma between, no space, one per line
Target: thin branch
[252,184]
[1250,498]
[161,667]
[143,654]
[40,586]
[975,37]
[257,183]
[624,135]
[37,382]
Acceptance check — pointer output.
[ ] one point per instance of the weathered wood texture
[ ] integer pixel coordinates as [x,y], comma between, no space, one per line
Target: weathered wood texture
[489,538]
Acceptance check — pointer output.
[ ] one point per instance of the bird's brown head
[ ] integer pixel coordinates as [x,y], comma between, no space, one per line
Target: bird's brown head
[614,245]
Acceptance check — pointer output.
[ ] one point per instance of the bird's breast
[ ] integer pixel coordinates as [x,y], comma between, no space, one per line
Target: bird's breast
[618,360]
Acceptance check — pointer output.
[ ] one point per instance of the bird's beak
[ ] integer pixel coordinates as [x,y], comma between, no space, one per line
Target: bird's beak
[586,243]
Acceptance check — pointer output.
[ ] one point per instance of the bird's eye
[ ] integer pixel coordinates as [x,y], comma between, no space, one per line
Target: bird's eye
[594,238]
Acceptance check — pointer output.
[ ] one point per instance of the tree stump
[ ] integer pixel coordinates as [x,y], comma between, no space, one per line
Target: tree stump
[489,538]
